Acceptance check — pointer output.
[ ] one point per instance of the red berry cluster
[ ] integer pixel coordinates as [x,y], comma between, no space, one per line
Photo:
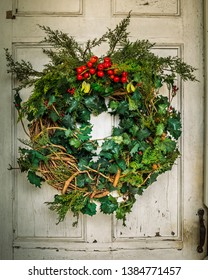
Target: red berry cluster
[100,69]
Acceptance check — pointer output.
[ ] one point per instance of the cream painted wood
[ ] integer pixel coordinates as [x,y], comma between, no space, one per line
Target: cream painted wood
[206,102]
[163,224]
[6,141]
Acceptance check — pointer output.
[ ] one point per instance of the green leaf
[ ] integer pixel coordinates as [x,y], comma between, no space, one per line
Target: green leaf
[143,133]
[74,104]
[132,105]
[17,100]
[167,145]
[121,163]
[135,149]
[108,205]
[84,132]
[113,104]
[89,208]
[52,99]
[113,168]
[83,114]
[76,143]
[134,179]
[162,109]
[160,128]
[95,104]
[174,126]
[123,108]
[158,83]
[117,139]
[53,115]
[124,208]
[68,121]
[90,146]
[34,179]
[68,132]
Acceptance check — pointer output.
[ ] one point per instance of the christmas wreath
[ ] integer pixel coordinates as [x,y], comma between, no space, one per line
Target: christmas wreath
[75,84]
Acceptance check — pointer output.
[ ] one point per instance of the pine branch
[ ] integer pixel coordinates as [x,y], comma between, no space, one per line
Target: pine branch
[91,44]
[62,42]
[119,35]
[176,65]
[23,70]
[134,50]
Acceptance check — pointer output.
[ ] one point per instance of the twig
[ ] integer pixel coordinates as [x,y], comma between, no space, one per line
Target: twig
[11,168]
[117,177]
[69,181]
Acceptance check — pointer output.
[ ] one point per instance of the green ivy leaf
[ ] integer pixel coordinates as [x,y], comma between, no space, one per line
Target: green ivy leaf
[121,163]
[109,204]
[90,146]
[143,133]
[76,143]
[113,168]
[53,115]
[167,145]
[132,105]
[52,99]
[135,149]
[34,179]
[89,209]
[162,109]
[95,104]
[117,139]
[68,132]
[68,121]
[84,132]
[174,126]
[159,129]
[113,104]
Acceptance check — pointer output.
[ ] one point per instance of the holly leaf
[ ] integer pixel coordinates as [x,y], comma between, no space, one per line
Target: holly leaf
[158,83]
[122,108]
[34,179]
[72,106]
[108,205]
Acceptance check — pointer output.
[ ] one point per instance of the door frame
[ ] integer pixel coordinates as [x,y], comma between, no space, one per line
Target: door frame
[6,141]
[206,109]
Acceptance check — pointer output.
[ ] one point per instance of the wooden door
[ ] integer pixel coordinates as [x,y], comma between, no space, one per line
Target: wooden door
[164,221]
